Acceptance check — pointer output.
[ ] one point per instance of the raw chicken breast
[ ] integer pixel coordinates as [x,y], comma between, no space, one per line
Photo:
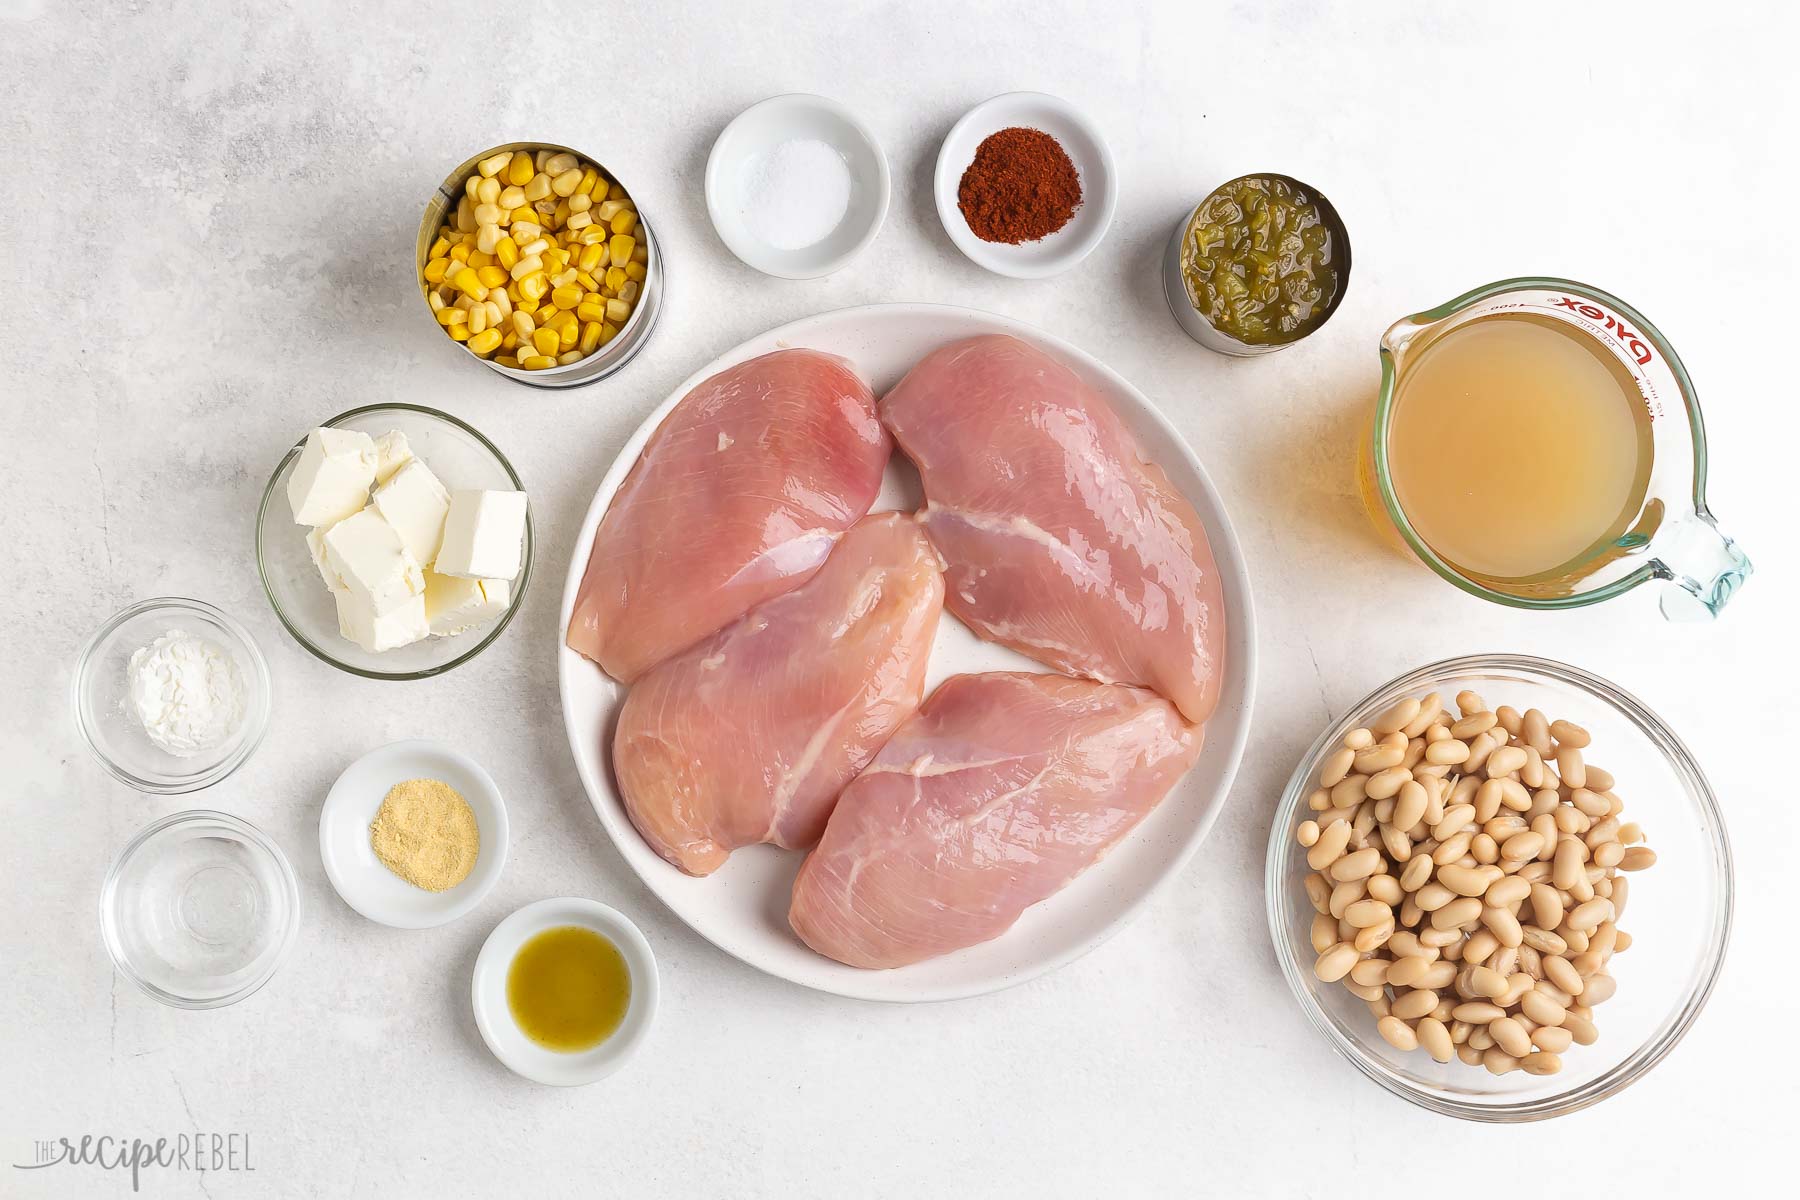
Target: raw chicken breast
[998,792]
[737,497]
[1062,541]
[750,735]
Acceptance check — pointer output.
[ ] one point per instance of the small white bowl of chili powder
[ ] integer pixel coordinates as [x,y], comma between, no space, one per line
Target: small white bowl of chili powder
[1025,185]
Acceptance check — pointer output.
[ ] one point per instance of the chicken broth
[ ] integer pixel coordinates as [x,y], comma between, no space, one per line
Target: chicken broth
[1518,447]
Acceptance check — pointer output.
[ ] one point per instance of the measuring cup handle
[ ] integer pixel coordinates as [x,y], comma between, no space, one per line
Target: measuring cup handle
[1705,566]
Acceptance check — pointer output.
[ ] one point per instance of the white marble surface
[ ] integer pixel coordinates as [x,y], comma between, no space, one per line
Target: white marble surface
[206,214]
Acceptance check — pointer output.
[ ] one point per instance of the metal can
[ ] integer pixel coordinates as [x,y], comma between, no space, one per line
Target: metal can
[602,362]
[1195,324]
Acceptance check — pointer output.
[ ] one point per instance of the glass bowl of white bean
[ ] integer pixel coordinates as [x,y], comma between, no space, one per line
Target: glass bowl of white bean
[1549,996]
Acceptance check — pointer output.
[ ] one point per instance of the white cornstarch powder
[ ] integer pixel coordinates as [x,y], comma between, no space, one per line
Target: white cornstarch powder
[796,194]
[187,692]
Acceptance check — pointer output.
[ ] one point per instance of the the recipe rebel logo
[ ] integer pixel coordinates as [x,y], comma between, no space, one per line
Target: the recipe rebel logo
[192,1153]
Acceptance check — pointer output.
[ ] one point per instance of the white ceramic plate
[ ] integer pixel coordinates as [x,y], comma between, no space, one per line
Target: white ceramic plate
[1086,148]
[742,908]
[363,880]
[487,992]
[762,127]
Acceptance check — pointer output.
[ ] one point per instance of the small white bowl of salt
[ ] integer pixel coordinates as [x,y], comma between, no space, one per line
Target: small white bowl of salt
[796,186]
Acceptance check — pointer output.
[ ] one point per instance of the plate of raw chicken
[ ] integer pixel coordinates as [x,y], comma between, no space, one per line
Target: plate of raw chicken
[906,651]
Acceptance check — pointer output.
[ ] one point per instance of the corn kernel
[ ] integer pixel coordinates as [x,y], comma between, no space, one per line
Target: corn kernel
[520,170]
[615,279]
[567,357]
[507,360]
[538,362]
[590,257]
[511,198]
[580,202]
[559,162]
[500,302]
[478,318]
[534,286]
[565,296]
[448,316]
[559,216]
[486,192]
[534,248]
[579,220]
[510,342]
[547,341]
[487,214]
[470,283]
[622,221]
[593,235]
[636,271]
[506,252]
[526,305]
[485,342]
[488,237]
[621,248]
[628,291]
[439,248]
[618,311]
[472,186]
[585,281]
[522,323]
[566,183]
[538,188]
[436,269]
[569,334]
[560,321]
[491,276]
[530,264]
[641,254]
[589,177]
[556,258]
[494,165]
[608,333]
[436,301]
[460,252]
[615,192]
[591,311]
[479,258]
[526,232]
[590,337]
[563,278]
[460,331]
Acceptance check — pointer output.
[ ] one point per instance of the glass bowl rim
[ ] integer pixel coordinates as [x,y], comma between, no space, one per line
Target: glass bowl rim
[1281,892]
[250,833]
[518,586]
[261,686]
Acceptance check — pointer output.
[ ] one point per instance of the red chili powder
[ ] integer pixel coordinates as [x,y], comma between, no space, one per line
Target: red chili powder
[1021,187]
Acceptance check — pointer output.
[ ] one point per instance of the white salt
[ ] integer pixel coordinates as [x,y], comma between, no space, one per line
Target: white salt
[795,194]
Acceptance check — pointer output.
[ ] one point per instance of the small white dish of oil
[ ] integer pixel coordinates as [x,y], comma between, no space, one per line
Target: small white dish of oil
[564,991]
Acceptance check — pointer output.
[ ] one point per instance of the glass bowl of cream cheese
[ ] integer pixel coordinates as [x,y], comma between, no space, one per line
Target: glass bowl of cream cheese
[172,695]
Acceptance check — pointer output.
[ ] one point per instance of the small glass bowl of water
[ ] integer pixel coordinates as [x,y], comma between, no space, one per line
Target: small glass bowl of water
[199,909]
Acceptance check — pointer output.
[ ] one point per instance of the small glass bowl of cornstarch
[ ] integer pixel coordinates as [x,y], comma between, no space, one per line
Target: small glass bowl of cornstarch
[171,695]
[1481,916]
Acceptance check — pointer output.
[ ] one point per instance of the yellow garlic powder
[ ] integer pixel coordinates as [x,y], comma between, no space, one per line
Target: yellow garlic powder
[425,833]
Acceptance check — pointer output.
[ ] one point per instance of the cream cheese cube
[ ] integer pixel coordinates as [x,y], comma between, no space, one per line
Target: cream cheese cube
[483,535]
[332,479]
[315,544]
[415,504]
[455,605]
[378,632]
[391,453]
[367,554]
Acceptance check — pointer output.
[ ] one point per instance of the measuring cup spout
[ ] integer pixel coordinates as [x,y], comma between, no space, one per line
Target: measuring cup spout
[1705,566]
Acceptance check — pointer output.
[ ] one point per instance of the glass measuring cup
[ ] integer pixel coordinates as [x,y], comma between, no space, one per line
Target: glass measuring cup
[1671,536]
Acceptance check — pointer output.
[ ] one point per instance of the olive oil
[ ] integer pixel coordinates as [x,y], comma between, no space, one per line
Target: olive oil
[568,989]
[1520,450]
